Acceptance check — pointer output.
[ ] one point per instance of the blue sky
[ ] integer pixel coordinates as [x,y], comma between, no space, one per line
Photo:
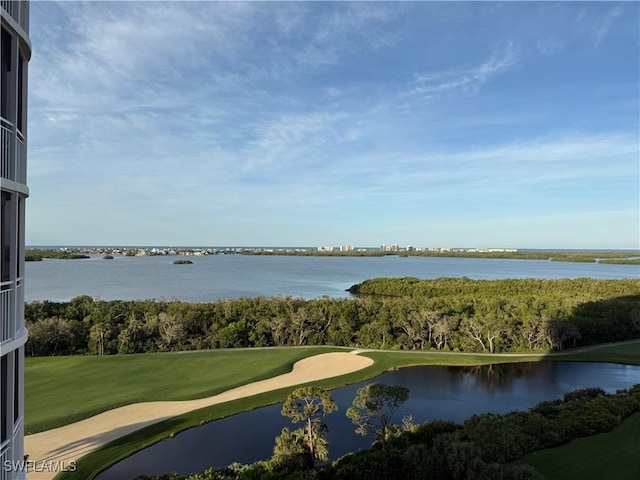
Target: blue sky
[509,124]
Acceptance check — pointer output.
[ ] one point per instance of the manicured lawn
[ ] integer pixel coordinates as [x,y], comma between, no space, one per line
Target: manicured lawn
[614,455]
[386,360]
[617,353]
[62,390]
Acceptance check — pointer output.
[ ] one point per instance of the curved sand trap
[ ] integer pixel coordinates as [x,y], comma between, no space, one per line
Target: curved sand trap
[69,443]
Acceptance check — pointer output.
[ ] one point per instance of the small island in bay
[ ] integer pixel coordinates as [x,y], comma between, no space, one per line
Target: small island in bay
[37,254]
[182,262]
[108,257]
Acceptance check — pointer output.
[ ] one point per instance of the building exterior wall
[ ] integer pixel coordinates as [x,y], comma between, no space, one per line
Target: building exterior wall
[14,58]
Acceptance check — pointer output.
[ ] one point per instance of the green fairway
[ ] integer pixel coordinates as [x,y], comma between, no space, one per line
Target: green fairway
[614,455]
[62,390]
[627,352]
[389,360]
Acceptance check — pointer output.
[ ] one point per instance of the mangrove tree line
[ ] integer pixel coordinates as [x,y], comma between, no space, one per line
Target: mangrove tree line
[447,314]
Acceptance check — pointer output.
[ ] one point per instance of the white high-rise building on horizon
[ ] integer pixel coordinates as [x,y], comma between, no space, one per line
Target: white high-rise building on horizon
[14,58]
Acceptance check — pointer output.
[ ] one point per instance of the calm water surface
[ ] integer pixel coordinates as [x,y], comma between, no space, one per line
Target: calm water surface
[217,277]
[449,393]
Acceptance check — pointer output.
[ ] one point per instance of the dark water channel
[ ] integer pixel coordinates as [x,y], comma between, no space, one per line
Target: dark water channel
[449,393]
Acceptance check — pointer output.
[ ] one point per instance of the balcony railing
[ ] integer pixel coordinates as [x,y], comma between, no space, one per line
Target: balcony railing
[19,11]
[12,166]
[18,426]
[6,309]
[4,457]
[21,159]
[19,303]
[7,142]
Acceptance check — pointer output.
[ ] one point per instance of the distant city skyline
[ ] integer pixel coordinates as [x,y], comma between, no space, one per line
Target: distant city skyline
[210,249]
[449,124]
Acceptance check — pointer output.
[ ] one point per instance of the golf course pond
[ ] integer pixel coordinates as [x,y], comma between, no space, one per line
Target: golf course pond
[436,392]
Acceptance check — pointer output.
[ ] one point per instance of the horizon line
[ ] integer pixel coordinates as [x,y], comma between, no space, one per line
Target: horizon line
[582,249]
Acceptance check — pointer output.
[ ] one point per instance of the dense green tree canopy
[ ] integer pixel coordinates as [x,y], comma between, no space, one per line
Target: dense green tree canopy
[446,314]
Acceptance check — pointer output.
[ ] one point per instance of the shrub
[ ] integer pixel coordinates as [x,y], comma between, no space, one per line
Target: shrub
[497,471]
[584,394]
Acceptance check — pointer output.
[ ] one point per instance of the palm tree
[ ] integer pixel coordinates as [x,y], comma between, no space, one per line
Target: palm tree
[98,333]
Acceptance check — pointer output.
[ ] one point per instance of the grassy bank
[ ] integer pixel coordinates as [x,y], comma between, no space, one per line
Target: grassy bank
[97,461]
[612,455]
[624,352]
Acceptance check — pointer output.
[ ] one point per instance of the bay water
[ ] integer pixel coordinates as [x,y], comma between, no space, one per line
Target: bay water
[216,277]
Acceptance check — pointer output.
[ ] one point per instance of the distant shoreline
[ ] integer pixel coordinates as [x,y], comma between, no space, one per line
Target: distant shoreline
[622,257]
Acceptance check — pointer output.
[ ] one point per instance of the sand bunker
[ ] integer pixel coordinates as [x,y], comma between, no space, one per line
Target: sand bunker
[69,443]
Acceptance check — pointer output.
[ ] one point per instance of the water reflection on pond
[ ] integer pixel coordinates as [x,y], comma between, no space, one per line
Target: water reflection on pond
[450,393]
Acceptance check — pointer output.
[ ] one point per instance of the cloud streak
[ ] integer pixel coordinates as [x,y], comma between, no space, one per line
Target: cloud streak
[605,25]
[465,81]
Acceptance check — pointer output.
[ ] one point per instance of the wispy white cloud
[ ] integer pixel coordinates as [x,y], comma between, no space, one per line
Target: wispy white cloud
[598,163]
[296,140]
[605,24]
[134,70]
[468,80]
[110,47]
